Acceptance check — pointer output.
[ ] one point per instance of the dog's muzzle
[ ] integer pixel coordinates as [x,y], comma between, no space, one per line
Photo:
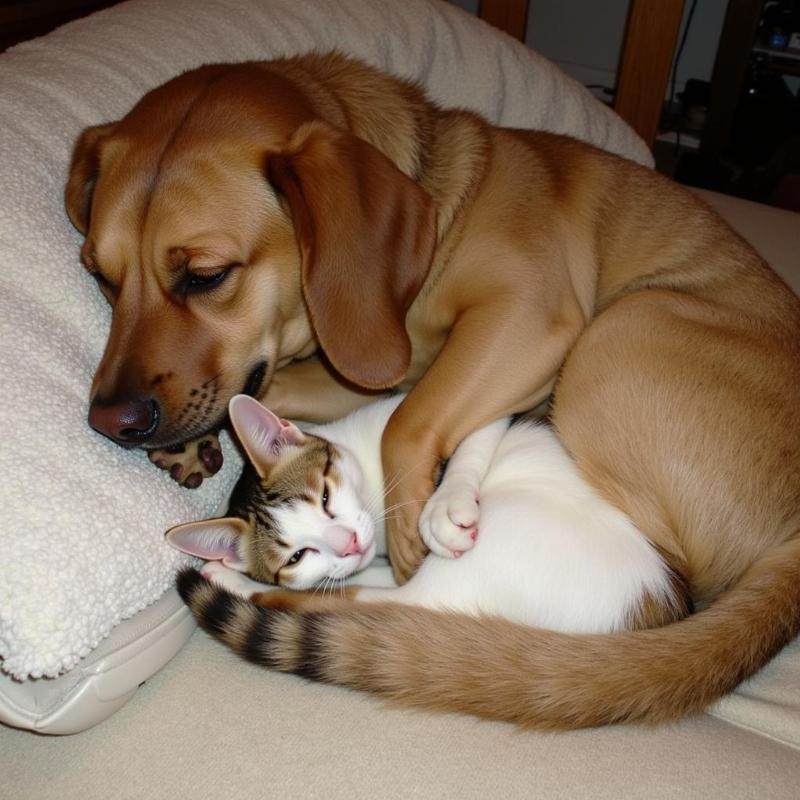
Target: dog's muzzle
[128,422]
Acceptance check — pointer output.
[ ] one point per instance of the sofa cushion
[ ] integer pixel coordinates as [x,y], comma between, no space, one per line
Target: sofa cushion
[774,232]
[212,727]
[769,703]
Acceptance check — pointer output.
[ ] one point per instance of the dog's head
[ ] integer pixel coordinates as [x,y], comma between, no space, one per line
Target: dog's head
[232,230]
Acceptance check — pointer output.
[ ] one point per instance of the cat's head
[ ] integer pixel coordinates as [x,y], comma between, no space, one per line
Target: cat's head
[296,516]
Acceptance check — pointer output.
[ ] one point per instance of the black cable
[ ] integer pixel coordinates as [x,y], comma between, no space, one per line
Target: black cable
[678,55]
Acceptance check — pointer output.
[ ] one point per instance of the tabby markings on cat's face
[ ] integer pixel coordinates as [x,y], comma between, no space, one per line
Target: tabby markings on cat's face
[296,516]
[307,519]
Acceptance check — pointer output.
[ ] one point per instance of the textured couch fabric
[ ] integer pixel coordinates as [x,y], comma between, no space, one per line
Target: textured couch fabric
[211,727]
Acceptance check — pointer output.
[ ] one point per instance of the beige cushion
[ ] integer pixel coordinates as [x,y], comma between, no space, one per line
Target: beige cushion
[769,703]
[212,727]
[774,232]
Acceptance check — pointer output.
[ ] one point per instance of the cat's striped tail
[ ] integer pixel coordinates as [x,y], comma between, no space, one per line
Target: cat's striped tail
[496,669]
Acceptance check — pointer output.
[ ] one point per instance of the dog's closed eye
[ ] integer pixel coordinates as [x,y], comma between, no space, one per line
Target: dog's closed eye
[198,281]
[207,279]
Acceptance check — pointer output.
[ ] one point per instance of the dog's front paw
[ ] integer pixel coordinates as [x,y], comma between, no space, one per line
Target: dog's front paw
[405,548]
[190,462]
[405,553]
[449,522]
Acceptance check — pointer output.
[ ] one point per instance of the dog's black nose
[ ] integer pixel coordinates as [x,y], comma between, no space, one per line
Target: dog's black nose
[128,422]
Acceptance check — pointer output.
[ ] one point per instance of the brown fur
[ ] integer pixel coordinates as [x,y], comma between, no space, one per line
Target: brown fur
[675,348]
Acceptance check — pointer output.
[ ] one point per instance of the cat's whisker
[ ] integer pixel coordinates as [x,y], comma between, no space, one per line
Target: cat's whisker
[400,505]
[371,506]
[390,483]
[395,506]
[389,516]
[376,502]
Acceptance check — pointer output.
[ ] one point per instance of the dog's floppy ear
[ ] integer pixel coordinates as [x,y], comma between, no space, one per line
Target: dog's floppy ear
[366,233]
[83,173]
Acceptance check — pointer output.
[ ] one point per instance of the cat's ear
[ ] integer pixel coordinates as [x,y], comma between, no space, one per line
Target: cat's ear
[212,540]
[262,434]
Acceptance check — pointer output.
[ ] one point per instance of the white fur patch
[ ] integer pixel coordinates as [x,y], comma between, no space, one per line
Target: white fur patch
[549,551]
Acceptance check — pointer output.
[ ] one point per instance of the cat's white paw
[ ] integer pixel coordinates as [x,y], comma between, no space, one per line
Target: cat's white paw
[229,579]
[449,522]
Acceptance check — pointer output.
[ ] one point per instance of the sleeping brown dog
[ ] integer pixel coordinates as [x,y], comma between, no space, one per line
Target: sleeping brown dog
[312,231]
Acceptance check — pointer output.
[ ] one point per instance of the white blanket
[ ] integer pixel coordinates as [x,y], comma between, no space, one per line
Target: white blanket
[83,521]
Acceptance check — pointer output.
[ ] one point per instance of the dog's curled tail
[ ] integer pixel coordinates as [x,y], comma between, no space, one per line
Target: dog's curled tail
[499,670]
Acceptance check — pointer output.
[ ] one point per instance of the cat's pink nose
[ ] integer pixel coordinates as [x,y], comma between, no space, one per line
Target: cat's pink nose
[351,548]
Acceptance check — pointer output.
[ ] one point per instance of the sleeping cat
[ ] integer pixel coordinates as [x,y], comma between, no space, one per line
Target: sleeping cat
[514,530]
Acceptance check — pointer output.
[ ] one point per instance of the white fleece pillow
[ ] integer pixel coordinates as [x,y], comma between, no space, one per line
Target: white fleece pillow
[83,520]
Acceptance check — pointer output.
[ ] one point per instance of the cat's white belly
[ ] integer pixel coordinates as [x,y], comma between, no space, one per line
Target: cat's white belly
[536,562]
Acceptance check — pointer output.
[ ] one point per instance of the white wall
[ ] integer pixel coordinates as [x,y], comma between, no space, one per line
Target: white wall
[582,36]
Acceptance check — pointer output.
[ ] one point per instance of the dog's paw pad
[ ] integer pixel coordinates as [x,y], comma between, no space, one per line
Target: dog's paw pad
[210,455]
[189,463]
[193,480]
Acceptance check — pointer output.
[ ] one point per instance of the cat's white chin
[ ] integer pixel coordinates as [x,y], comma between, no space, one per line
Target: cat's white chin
[366,557]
